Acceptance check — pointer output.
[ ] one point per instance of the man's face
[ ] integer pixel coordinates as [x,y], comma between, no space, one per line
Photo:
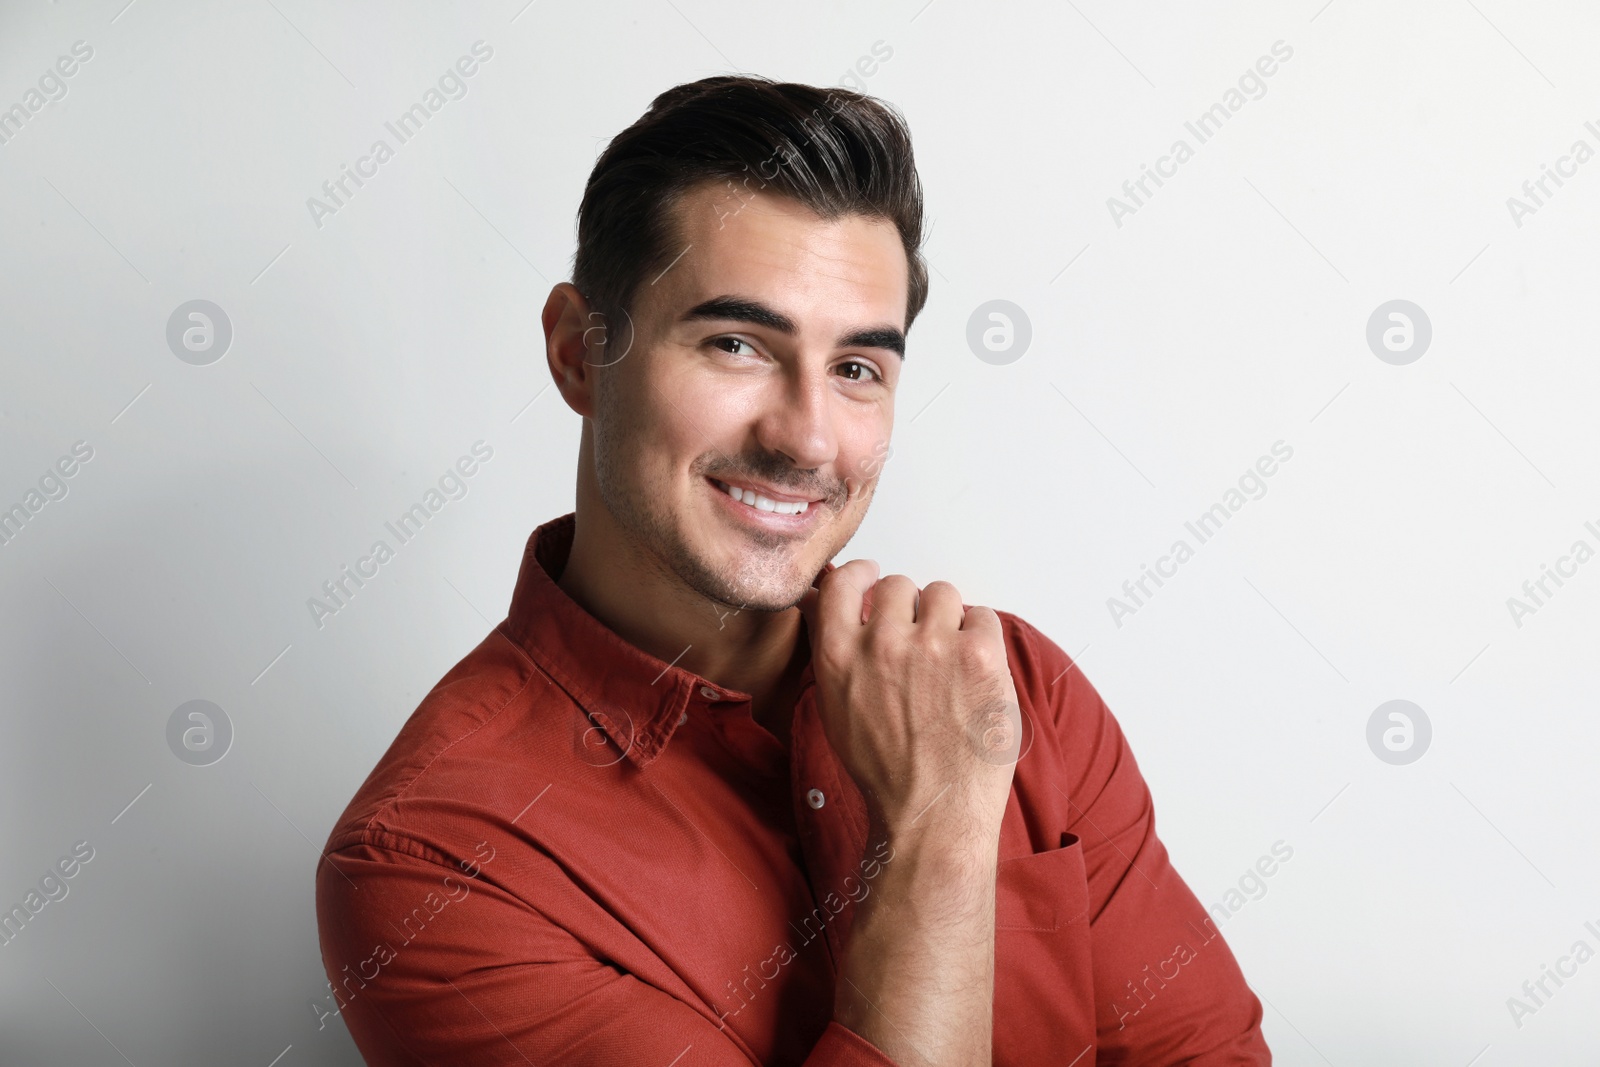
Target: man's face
[740,429]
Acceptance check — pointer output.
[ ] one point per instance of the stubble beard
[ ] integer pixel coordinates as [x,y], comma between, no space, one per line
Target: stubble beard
[764,579]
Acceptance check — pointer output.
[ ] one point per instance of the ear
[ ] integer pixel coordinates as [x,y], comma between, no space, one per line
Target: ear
[574,345]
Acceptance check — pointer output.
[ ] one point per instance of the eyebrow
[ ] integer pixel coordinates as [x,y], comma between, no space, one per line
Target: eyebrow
[742,309]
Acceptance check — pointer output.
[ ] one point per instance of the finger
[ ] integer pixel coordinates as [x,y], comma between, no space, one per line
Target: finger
[940,606]
[985,621]
[894,599]
[840,594]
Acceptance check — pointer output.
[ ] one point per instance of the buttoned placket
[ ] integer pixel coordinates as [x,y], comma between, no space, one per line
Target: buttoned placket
[830,819]
[831,841]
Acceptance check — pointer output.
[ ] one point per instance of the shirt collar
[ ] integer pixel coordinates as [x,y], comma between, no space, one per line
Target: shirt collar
[637,699]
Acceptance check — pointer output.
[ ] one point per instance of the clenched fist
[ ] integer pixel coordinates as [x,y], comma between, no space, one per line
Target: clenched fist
[916,697]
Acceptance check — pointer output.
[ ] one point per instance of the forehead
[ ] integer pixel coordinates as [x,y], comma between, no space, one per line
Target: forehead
[775,249]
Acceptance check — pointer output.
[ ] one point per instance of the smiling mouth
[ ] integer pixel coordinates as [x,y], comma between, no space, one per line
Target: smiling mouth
[755,500]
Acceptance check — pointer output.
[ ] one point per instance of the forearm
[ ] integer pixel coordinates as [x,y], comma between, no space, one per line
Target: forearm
[918,973]
[913,692]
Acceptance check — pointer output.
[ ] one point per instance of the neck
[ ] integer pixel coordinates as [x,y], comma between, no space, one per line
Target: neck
[762,653]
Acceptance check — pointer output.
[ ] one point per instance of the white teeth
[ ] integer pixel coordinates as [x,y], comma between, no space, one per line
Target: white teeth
[761,503]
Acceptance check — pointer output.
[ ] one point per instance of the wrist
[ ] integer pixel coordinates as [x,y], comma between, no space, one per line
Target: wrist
[952,849]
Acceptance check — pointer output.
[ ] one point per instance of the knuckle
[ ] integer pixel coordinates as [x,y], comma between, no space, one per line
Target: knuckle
[980,613]
[976,655]
[839,576]
[932,647]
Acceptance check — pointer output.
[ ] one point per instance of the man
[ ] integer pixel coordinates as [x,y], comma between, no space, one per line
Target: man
[702,797]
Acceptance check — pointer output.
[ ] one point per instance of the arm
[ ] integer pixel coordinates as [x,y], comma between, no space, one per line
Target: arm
[1167,988]
[915,697]
[918,973]
[417,982]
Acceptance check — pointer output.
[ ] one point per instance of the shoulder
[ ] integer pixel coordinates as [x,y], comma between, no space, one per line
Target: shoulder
[451,749]
[1046,676]
[1074,749]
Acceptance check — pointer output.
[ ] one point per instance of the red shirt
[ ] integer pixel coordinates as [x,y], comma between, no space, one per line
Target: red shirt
[575,853]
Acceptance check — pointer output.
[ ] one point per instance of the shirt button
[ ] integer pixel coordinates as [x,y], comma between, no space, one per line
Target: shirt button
[815,798]
[683,718]
[709,693]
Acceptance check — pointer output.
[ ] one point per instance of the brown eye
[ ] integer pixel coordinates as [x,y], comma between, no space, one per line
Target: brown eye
[855,371]
[731,345]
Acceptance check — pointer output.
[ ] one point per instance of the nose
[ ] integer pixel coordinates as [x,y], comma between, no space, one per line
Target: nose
[799,422]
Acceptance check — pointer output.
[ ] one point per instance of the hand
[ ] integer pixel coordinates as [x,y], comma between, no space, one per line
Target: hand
[916,697]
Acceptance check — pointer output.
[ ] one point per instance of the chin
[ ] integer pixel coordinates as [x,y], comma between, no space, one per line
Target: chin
[746,569]
[764,586]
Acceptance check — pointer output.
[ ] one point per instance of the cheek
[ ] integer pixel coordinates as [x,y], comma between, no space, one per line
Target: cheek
[864,447]
[704,411]
[717,398]
[629,435]
[669,416]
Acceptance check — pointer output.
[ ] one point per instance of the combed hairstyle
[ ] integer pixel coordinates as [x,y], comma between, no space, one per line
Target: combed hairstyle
[836,151]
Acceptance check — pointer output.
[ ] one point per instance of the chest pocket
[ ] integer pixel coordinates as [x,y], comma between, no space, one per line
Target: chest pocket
[1044,891]
[1043,959]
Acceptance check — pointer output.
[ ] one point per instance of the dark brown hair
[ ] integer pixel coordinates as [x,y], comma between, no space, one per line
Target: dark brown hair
[834,150]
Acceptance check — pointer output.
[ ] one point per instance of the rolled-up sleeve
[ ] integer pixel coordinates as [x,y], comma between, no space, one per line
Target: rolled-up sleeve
[430,966]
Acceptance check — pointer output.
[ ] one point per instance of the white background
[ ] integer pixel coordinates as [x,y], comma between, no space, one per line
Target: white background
[1229,312]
